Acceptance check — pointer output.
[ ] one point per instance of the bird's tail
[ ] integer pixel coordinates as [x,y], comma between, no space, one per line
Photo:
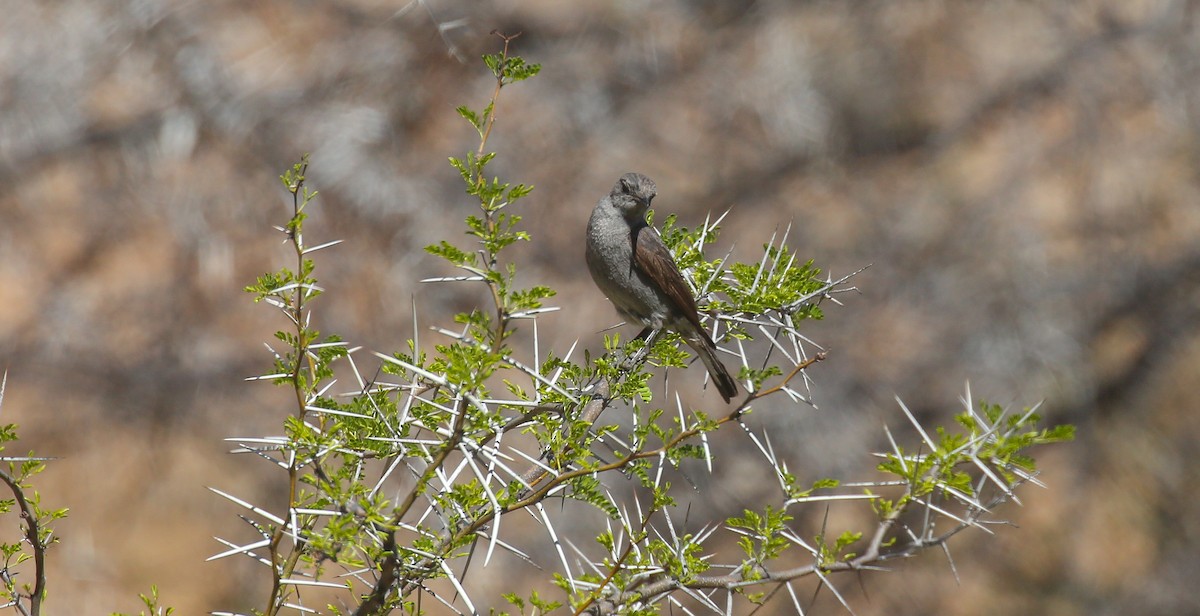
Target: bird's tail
[707,351]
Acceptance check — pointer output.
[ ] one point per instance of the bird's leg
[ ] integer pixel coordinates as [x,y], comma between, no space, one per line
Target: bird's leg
[649,335]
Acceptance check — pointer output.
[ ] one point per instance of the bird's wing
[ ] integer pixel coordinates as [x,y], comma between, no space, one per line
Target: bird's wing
[651,258]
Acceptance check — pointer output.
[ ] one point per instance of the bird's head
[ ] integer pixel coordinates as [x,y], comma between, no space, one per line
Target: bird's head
[632,195]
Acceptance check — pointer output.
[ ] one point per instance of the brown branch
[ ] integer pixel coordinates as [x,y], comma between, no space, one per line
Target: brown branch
[376,600]
[787,379]
[456,435]
[491,119]
[616,566]
[280,568]
[33,536]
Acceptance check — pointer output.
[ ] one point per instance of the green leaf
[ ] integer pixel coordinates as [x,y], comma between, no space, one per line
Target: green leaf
[471,117]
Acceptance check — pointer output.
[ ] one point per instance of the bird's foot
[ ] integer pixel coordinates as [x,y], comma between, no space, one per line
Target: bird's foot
[647,336]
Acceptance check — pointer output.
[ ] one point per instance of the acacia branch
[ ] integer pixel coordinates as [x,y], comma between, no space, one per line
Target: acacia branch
[33,536]
[616,566]
[591,412]
[868,560]
[536,475]
[280,569]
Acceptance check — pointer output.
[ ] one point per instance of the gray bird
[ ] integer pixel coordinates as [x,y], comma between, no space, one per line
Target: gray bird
[632,266]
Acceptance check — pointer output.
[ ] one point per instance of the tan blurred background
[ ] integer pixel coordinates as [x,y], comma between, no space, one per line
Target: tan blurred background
[1022,176]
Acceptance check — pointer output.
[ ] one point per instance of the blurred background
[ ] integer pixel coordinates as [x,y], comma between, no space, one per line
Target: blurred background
[1022,176]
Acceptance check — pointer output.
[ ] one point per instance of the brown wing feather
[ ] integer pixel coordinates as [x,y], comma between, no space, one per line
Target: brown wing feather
[652,258]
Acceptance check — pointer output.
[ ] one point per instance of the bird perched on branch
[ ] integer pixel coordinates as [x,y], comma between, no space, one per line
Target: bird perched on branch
[632,266]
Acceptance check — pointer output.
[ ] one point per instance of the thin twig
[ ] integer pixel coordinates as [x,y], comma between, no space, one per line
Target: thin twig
[33,536]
